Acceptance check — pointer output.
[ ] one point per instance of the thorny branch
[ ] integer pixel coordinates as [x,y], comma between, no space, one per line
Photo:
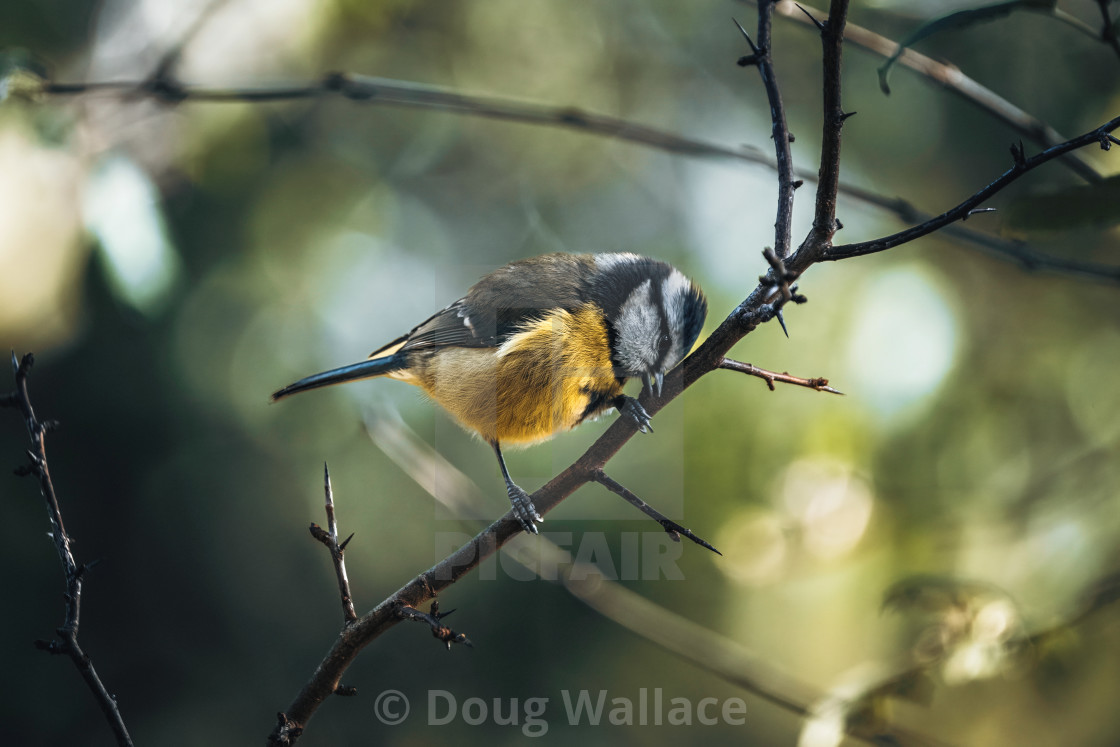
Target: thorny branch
[759,307]
[162,87]
[952,79]
[67,641]
[329,538]
[1101,136]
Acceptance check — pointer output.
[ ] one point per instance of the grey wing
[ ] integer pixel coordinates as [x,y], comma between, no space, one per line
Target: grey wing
[500,304]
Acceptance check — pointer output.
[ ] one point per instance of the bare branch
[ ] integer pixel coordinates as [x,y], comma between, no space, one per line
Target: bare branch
[1023,165]
[779,130]
[955,81]
[67,641]
[770,377]
[673,529]
[329,538]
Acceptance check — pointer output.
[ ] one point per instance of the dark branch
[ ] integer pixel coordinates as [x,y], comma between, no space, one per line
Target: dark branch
[329,538]
[952,79]
[779,130]
[673,529]
[1022,166]
[67,641]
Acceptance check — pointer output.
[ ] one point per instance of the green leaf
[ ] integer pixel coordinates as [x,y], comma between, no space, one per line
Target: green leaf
[1084,205]
[960,20]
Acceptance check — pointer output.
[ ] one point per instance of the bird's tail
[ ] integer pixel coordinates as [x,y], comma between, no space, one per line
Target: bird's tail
[364,370]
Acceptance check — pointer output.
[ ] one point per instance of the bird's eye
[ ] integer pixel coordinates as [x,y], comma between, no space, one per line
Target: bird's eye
[664,343]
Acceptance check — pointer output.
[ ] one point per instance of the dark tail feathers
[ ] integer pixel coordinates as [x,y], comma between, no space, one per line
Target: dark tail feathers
[363,370]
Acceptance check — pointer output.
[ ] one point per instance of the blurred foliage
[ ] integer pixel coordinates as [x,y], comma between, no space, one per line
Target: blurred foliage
[977,441]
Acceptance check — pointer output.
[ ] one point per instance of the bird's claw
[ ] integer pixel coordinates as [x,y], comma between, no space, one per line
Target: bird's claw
[523,508]
[633,409]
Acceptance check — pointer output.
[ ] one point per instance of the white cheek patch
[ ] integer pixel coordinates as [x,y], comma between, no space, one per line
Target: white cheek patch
[674,289]
[639,326]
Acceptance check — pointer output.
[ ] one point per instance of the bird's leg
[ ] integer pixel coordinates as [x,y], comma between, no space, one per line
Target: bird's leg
[523,507]
[631,408]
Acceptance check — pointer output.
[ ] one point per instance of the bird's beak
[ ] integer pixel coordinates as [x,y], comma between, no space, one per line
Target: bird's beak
[654,382]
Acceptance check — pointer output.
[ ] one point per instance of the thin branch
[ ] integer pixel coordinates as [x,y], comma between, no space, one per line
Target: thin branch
[824,215]
[770,377]
[329,538]
[403,93]
[1099,136]
[952,79]
[673,529]
[67,641]
[779,129]
[384,91]
[1109,33]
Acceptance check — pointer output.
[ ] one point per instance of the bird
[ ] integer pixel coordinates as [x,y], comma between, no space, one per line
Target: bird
[539,346]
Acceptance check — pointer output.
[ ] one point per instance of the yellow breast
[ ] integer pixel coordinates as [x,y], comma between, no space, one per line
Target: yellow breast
[539,383]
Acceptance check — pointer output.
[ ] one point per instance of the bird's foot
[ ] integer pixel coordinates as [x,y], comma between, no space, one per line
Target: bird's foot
[631,408]
[523,508]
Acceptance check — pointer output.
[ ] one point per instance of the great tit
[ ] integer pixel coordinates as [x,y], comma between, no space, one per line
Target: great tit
[540,345]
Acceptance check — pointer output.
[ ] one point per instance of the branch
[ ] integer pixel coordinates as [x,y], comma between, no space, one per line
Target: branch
[329,538]
[67,641]
[824,216]
[726,658]
[779,132]
[1101,136]
[417,95]
[955,81]
[754,310]
[818,384]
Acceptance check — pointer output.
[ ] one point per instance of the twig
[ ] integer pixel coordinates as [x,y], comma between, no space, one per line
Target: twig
[67,641]
[779,128]
[770,377]
[416,95]
[955,81]
[824,215]
[1109,34]
[671,527]
[329,538]
[433,619]
[1022,165]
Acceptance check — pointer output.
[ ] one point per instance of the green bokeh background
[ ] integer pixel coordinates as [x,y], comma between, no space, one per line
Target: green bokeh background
[977,439]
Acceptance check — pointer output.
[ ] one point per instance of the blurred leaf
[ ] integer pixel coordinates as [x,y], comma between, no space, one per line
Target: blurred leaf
[122,210]
[956,21]
[927,593]
[21,75]
[1080,206]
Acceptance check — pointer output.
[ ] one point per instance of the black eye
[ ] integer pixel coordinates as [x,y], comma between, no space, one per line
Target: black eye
[664,344]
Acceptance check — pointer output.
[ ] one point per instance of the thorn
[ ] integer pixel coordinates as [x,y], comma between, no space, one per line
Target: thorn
[754,47]
[797,184]
[1018,154]
[791,137]
[839,225]
[975,211]
[782,321]
[346,691]
[844,115]
[345,542]
[818,24]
